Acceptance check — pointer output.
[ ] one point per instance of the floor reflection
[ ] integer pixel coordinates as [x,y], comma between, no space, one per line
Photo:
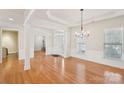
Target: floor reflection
[59,63]
[58,70]
[80,72]
[63,66]
[111,77]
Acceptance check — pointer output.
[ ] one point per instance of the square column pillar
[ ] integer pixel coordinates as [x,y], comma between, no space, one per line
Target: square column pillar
[67,43]
[0,45]
[27,48]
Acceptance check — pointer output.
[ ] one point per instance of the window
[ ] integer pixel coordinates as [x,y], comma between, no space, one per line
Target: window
[113,43]
[81,45]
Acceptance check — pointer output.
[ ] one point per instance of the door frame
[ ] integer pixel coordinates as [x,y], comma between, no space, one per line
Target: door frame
[55,35]
[10,29]
[40,35]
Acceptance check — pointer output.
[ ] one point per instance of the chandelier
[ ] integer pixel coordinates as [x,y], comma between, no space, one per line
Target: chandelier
[83,33]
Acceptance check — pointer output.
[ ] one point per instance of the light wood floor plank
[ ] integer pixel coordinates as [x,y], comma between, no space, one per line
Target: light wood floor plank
[50,70]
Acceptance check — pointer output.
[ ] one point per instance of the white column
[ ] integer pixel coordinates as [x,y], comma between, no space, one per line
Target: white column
[0,45]
[67,43]
[31,43]
[21,43]
[123,46]
[27,47]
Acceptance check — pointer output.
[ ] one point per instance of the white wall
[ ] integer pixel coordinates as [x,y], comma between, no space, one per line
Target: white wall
[96,30]
[10,41]
[96,39]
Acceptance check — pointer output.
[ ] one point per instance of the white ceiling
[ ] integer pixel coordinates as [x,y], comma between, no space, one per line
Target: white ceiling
[56,18]
[71,17]
[16,14]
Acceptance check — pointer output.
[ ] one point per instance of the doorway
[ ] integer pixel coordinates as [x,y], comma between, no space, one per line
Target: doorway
[40,44]
[9,45]
[58,43]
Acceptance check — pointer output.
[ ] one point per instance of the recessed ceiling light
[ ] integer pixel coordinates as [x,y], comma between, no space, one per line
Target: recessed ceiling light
[11,19]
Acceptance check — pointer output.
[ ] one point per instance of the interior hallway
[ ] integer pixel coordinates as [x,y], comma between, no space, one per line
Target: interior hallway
[47,70]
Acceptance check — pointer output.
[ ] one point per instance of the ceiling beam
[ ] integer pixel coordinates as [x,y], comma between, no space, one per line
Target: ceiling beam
[29,16]
[43,27]
[55,19]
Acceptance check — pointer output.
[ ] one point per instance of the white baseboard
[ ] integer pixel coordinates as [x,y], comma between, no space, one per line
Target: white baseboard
[12,52]
[97,57]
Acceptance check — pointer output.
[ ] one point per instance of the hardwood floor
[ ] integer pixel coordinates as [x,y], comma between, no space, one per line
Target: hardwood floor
[50,70]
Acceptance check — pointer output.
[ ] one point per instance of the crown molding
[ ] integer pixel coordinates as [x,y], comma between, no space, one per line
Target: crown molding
[102,17]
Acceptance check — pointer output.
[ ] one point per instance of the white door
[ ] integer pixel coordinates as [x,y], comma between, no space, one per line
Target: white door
[0,45]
